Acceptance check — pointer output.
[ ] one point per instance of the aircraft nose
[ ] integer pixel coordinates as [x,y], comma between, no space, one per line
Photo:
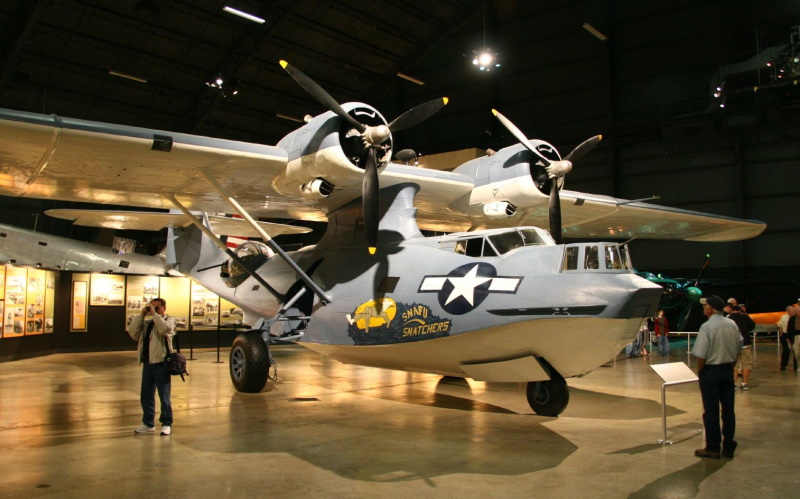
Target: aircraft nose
[643,302]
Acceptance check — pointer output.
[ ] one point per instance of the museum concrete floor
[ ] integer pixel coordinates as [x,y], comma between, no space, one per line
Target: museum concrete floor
[331,430]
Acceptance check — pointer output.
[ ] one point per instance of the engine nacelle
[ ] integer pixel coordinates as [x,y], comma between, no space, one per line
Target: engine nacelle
[513,176]
[329,150]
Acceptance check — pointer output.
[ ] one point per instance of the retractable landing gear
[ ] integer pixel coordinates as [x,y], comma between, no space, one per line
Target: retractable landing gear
[250,362]
[548,398]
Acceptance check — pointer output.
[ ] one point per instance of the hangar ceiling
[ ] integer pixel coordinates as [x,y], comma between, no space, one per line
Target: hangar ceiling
[647,88]
[557,80]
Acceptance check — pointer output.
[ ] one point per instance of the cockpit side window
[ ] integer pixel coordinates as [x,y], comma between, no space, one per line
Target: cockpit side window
[571,258]
[591,260]
[474,246]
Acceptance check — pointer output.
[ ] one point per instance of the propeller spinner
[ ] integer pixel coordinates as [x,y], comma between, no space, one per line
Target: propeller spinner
[555,169]
[373,136]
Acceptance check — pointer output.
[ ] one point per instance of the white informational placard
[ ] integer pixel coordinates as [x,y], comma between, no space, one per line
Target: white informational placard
[675,372]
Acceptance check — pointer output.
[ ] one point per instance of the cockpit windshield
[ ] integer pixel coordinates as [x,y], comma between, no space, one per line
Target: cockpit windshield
[511,240]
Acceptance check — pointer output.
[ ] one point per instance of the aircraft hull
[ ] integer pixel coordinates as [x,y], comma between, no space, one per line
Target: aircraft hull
[590,342]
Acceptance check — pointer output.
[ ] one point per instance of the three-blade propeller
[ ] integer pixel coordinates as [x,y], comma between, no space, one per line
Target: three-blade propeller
[555,169]
[372,138]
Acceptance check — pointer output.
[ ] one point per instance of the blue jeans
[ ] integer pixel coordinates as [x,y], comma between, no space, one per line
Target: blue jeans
[155,377]
[716,388]
[663,345]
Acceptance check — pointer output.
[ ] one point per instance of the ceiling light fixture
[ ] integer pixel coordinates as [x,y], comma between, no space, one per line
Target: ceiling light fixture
[591,29]
[485,59]
[126,76]
[410,78]
[244,15]
[227,85]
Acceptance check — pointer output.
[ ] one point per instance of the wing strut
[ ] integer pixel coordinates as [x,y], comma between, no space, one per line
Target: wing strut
[272,244]
[214,239]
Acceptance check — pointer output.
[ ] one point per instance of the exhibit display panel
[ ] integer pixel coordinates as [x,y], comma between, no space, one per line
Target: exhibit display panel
[27,301]
[176,290]
[140,290]
[107,290]
[205,307]
[79,303]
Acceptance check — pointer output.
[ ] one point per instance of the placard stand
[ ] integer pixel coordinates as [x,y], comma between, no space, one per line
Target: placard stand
[673,373]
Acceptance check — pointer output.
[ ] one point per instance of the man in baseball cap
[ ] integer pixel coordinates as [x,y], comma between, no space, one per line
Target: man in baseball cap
[714,302]
[715,361]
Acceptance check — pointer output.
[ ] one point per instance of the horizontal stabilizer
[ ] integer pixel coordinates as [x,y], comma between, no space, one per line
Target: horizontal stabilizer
[142,220]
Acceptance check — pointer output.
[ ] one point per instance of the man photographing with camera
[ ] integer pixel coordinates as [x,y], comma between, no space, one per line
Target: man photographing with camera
[152,336]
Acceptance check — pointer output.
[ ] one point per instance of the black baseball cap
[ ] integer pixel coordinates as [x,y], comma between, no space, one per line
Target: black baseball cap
[714,302]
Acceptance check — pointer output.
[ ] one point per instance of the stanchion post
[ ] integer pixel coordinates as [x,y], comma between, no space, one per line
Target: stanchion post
[218,333]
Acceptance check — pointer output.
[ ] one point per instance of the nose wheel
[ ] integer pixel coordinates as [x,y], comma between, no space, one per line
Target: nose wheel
[250,362]
[548,398]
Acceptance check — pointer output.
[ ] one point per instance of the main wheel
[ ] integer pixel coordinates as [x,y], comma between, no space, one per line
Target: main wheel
[548,398]
[249,362]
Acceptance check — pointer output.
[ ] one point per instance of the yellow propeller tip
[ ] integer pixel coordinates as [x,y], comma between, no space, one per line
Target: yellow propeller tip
[494,112]
[283,63]
[600,137]
[446,100]
[372,250]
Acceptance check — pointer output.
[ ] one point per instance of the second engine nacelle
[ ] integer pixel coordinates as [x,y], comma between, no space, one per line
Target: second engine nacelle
[512,177]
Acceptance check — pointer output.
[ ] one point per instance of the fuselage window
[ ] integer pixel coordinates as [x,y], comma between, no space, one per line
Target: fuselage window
[571,258]
[591,260]
[617,257]
[613,259]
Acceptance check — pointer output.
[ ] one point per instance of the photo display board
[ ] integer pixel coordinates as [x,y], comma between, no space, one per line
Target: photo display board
[139,291]
[79,303]
[176,290]
[205,307]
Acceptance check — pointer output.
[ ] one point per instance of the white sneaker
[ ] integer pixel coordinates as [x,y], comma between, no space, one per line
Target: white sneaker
[166,430]
[141,430]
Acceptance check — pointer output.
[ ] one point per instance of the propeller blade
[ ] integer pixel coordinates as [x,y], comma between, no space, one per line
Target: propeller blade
[517,133]
[555,211]
[583,148]
[702,269]
[683,317]
[417,114]
[370,200]
[321,95]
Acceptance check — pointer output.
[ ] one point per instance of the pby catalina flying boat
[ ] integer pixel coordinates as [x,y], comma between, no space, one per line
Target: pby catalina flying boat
[502,302]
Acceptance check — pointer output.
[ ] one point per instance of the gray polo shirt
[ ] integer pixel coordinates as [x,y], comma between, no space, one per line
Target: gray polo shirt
[719,341]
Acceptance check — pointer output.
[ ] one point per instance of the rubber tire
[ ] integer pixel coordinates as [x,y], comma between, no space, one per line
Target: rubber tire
[548,398]
[249,362]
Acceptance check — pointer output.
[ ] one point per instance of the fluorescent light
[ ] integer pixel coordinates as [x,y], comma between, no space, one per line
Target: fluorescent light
[591,29]
[127,76]
[290,118]
[410,78]
[243,14]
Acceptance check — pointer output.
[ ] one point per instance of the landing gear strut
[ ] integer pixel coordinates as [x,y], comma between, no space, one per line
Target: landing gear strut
[548,398]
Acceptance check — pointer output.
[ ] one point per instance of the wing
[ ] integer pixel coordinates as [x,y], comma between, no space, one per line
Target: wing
[74,160]
[141,220]
[50,157]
